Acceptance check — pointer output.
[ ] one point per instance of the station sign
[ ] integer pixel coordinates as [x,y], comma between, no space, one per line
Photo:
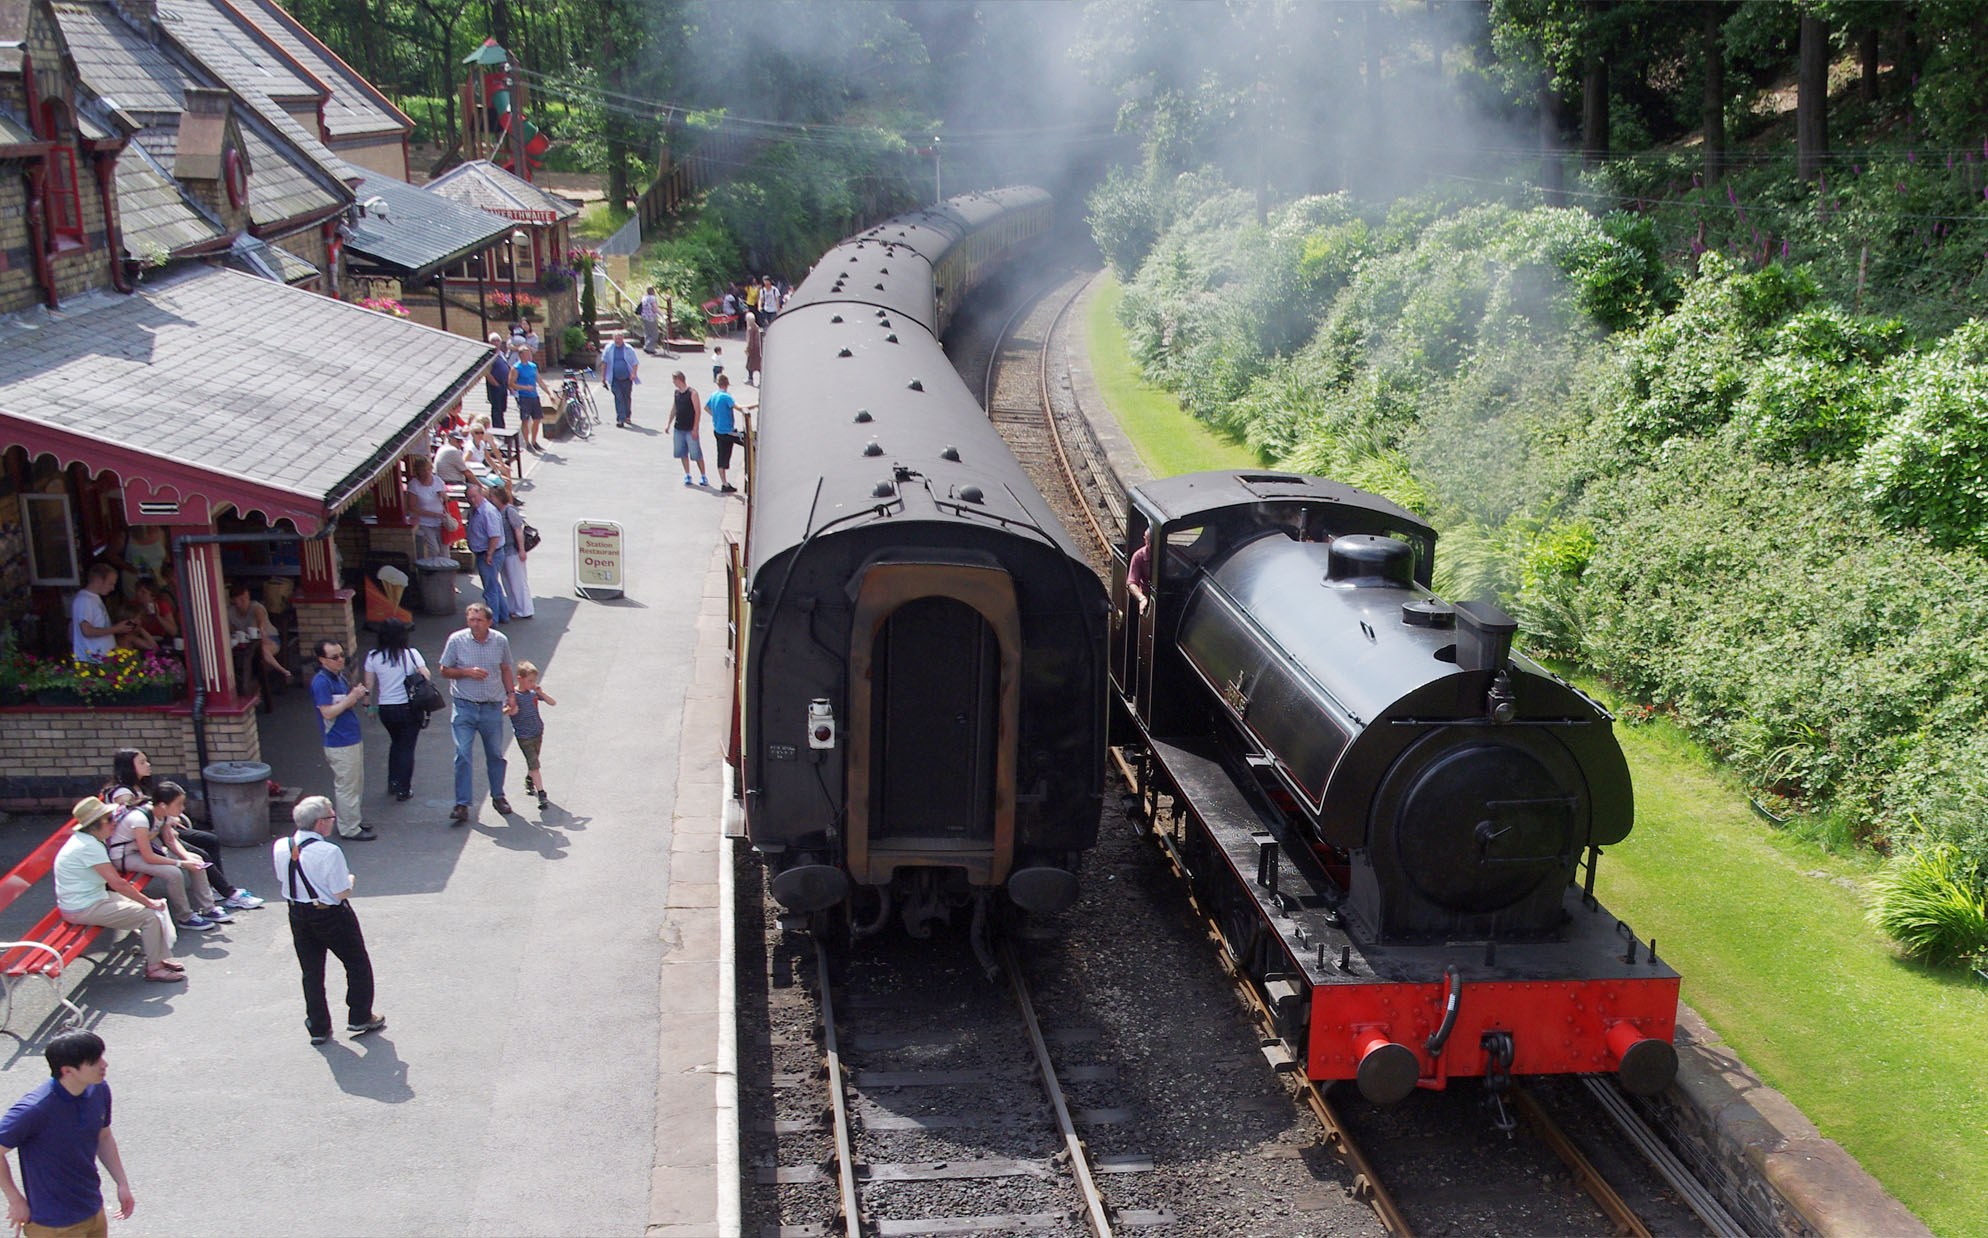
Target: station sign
[597,559]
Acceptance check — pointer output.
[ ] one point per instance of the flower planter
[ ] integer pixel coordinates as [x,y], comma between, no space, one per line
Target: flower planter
[157,695]
[59,696]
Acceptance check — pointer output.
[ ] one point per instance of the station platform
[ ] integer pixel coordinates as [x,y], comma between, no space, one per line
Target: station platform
[552,979]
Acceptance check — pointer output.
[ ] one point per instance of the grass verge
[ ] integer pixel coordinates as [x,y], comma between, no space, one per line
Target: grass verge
[1167,438]
[1770,935]
[599,221]
[1767,928]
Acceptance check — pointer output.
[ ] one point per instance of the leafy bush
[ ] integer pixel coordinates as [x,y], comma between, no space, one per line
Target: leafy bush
[1931,901]
[1812,395]
[691,264]
[1928,467]
[1126,214]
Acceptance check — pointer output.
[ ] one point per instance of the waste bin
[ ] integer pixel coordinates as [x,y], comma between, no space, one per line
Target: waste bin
[438,585]
[238,802]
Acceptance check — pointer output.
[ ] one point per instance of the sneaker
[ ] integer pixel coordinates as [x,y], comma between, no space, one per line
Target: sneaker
[531,784]
[365,835]
[242,900]
[197,923]
[687,481]
[544,800]
[370,1026]
[219,914]
[318,1038]
[728,488]
[459,815]
[704,482]
[501,804]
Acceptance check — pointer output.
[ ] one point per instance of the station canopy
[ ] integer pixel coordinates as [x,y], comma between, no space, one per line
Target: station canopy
[212,390]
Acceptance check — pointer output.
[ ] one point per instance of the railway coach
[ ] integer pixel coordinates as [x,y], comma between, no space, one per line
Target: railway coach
[919,710]
[1395,820]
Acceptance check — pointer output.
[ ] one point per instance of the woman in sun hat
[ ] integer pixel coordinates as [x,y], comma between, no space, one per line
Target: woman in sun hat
[90,890]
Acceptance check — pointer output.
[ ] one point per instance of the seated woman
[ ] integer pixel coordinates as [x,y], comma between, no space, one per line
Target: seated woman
[137,845]
[135,636]
[156,613]
[168,813]
[482,455]
[90,890]
[248,620]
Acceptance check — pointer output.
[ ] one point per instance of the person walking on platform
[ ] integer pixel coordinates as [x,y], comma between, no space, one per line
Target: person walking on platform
[497,380]
[486,542]
[477,663]
[620,369]
[755,347]
[683,429]
[62,1129]
[651,316]
[344,746]
[723,410]
[318,887]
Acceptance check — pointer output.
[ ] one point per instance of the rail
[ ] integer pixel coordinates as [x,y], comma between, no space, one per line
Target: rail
[845,1151]
[1080,1161]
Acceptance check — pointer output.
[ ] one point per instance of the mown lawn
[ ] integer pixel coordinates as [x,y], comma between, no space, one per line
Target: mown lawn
[1884,1056]
[1166,437]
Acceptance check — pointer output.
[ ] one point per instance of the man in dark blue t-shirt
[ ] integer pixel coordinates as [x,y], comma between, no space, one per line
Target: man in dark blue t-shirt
[62,1130]
[338,717]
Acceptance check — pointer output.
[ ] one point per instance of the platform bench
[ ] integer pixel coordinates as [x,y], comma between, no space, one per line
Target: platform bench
[53,943]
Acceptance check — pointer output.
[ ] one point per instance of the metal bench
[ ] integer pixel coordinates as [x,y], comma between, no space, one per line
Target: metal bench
[53,943]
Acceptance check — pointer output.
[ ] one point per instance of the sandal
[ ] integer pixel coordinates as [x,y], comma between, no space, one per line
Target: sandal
[164,975]
[173,965]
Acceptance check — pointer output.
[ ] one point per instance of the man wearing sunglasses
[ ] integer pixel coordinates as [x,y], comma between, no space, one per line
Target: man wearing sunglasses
[338,716]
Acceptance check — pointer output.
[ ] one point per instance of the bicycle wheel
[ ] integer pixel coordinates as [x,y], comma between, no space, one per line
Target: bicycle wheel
[577,420]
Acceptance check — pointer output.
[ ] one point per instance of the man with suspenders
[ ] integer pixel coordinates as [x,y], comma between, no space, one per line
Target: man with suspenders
[318,887]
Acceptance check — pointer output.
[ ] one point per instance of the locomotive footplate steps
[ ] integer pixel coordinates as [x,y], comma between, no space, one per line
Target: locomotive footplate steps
[1580,1004]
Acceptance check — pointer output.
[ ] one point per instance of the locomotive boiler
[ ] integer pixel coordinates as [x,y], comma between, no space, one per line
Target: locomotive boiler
[919,707]
[1396,820]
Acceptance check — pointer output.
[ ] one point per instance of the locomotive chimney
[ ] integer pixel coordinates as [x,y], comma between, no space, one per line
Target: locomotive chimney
[1483,636]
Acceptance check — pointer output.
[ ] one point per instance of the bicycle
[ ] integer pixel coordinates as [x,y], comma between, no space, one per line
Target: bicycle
[578,414]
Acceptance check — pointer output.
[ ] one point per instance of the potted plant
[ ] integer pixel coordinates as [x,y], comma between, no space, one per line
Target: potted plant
[576,348]
[556,279]
[13,669]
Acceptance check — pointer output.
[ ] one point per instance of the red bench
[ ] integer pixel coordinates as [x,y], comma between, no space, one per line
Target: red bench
[53,943]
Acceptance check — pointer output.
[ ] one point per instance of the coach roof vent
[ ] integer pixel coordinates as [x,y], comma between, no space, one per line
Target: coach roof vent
[971,494]
[863,417]
[884,490]
[891,338]
[844,353]
[873,448]
[916,384]
[835,318]
[949,453]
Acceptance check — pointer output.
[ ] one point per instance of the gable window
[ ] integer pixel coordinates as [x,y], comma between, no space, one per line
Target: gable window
[65,204]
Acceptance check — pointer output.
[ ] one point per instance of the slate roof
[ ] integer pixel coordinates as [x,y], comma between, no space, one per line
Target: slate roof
[487,187]
[14,131]
[354,107]
[291,173]
[266,261]
[152,212]
[230,44]
[422,231]
[220,372]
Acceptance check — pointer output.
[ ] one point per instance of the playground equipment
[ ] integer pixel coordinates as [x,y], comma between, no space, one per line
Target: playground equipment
[494,98]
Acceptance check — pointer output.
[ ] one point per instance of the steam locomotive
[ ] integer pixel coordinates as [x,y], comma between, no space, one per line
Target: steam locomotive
[919,710]
[1394,819]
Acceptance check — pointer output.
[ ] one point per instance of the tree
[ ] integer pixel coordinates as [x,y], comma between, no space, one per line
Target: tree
[1812,97]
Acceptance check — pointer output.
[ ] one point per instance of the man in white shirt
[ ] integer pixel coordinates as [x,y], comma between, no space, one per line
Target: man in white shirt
[91,633]
[318,887]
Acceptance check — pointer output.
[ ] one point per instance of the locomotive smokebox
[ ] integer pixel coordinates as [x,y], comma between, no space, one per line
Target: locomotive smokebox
[1483,636]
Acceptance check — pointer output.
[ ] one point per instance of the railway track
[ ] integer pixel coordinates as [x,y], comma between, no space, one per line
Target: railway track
[1036,411]
[945,1111]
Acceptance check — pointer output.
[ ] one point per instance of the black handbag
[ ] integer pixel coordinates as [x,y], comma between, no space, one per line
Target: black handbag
[532,539]
[425,695]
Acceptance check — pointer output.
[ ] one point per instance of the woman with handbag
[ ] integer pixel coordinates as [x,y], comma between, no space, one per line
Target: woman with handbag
[517,586]
[395,675]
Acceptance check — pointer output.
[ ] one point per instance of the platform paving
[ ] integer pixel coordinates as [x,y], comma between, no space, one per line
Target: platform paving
[549,979]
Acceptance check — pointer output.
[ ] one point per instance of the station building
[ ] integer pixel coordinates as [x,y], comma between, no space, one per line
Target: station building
[181,388]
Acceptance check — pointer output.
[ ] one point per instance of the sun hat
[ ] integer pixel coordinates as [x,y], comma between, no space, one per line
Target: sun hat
[89,811]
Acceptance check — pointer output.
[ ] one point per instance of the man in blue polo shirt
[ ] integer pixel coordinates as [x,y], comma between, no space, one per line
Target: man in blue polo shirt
[338,717]
[62,1130]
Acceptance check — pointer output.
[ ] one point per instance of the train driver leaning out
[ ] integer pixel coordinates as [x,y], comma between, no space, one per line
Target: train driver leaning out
[1139,572]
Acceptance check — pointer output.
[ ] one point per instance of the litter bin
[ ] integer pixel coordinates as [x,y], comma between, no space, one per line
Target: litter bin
[238,802]
[438,585]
